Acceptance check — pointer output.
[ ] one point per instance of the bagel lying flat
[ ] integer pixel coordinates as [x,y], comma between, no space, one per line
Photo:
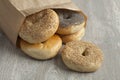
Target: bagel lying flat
[45,50]
[82,56]
[70,21]
[72,37]
[40,26]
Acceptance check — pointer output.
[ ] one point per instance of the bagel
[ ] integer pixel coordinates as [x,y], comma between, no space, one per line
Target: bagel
[72,37]
[44,50]
[70,21]
[39,27]
[82,56]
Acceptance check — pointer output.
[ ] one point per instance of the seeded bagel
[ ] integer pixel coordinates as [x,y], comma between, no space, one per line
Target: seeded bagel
[70,21]
[39,27]
[82,56]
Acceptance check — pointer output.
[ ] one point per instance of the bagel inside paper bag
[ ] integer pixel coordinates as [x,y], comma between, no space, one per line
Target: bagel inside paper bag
[14,12]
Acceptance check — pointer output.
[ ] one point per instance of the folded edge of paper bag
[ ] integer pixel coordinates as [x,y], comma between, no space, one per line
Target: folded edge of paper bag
[12,17]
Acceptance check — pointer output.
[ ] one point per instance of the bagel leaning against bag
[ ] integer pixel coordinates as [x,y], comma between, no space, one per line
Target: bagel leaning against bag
[39,27]
[70,21]
[72,25]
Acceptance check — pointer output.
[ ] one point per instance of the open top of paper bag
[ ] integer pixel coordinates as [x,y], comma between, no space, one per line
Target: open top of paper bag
[28,7]
[14,12]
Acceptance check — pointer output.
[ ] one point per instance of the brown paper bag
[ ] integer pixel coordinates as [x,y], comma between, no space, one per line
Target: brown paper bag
[14,12]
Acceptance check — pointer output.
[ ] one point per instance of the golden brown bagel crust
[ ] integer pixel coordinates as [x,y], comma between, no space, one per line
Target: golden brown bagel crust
[40,26]
[73,37]
[43,51]
[82,56]
[70,21]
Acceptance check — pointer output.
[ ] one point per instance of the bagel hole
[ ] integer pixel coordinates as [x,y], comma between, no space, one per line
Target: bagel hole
[67,16]
[85,53]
